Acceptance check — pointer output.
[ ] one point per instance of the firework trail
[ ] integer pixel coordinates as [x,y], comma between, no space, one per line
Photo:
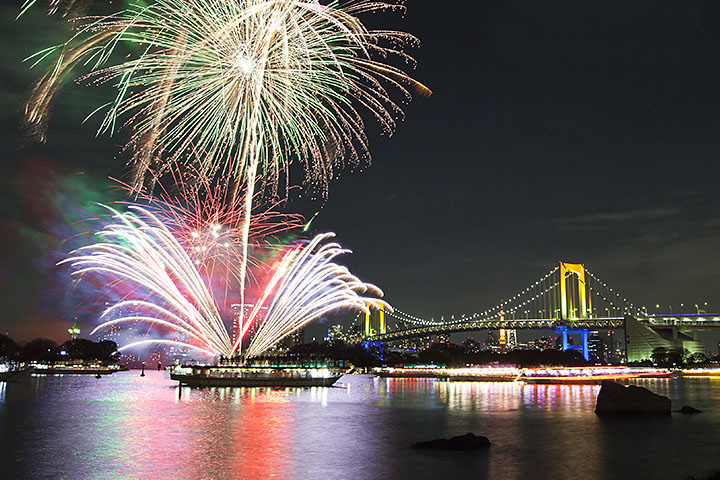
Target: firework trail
[252,84]
[66,8]
[308,285]
[140,253]
[166,290]
[208,226]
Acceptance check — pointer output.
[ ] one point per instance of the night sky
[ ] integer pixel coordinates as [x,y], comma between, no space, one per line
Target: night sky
[583,131]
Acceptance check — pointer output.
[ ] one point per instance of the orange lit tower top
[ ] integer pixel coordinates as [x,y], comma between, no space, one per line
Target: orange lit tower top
[567,302]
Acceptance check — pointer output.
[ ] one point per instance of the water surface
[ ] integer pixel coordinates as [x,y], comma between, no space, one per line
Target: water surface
[129,427]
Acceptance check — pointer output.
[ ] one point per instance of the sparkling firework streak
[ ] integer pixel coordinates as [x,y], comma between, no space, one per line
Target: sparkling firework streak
[209,227]
[253,84]
[140,251]
[309,285]
[66,8]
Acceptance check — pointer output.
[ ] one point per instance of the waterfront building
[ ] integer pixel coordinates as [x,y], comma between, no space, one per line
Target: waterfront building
[641,340]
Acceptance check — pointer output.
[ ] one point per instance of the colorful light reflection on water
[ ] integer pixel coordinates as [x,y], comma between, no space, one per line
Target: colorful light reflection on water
[125,426]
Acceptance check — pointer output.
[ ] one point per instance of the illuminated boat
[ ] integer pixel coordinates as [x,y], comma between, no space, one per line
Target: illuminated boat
[589,375]
[256,376]
[465,374]
[700,372]
[543,375]
[75,369]
[411,371]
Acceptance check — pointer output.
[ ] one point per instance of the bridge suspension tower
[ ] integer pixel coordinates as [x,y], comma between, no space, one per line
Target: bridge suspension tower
[374,322]
[575,303]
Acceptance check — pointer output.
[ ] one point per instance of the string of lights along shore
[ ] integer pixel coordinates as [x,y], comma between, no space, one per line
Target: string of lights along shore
[220,98]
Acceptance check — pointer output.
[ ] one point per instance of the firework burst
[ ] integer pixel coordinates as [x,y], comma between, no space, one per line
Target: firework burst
[209,227]
[252,84]
[165,290]
[164,287]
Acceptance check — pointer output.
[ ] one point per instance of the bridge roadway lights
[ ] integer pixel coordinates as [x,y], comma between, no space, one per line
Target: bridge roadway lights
[583,347]
[381,347]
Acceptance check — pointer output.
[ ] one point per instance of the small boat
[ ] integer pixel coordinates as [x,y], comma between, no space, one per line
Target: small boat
[255,376]
[75,369]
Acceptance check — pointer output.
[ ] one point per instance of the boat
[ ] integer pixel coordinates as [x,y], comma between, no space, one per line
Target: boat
[465,374]
[589,375]
[75,369]
[411,371]
[255,375]
[700,372]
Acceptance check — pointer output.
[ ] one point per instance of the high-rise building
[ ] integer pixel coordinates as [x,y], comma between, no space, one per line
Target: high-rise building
[335,333]
[247,310]
[295,338]
[503,333]
[511,338]
[596,346]
[355,332]
[619,350]
[236,310]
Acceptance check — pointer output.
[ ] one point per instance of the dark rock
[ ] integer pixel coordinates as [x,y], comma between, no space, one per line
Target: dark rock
[689,409]
[468,441]
[616,398]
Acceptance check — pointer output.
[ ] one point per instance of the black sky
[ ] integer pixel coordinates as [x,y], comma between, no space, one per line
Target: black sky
[583,131]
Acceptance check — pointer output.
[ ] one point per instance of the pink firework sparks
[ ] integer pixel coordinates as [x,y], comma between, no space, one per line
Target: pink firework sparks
[208,224]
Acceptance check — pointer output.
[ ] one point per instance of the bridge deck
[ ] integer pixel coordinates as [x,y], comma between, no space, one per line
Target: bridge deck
[702,321]
[474,325]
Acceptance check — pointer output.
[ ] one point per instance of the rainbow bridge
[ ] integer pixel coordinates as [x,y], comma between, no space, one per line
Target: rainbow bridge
[569,300]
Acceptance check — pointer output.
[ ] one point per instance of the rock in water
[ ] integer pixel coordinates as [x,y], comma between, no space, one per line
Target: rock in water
[616,398]
[468,441]
[689,409]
